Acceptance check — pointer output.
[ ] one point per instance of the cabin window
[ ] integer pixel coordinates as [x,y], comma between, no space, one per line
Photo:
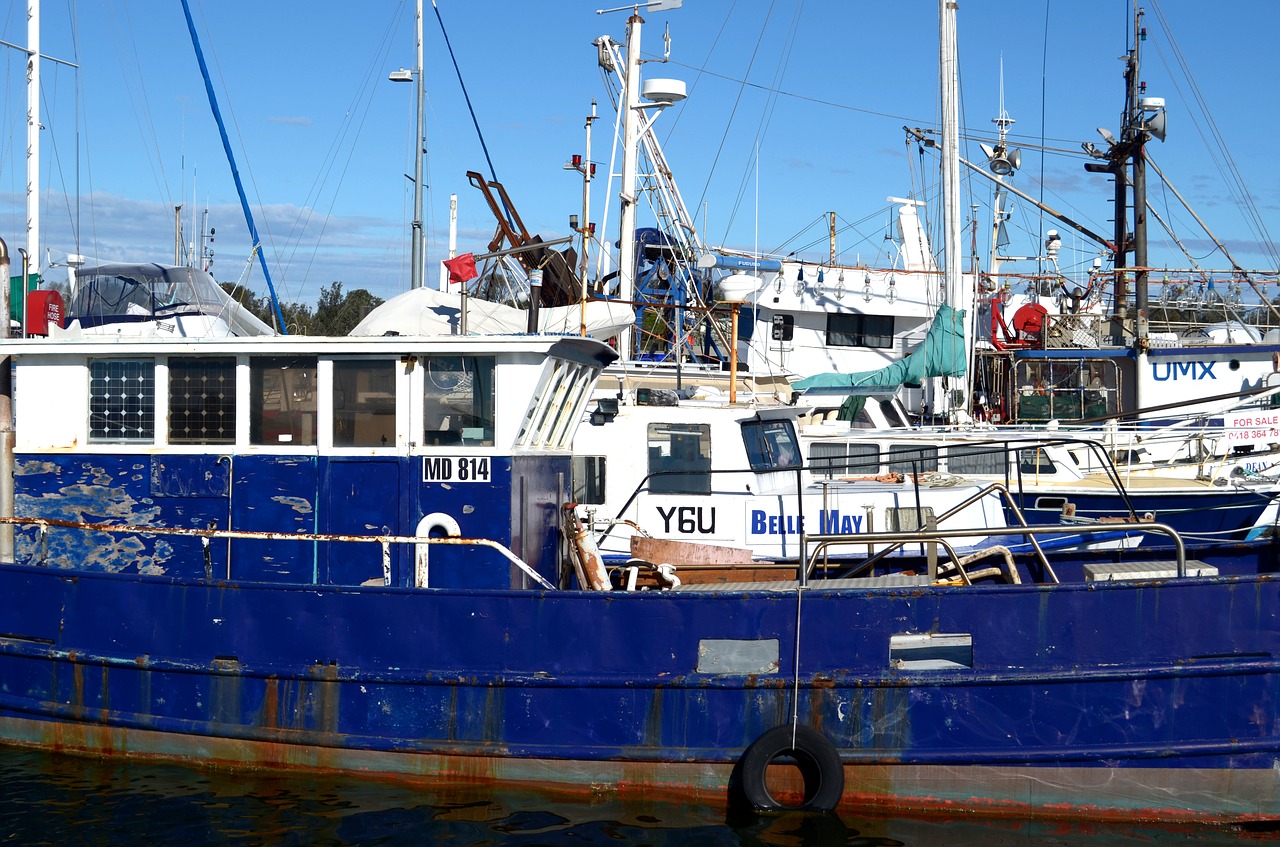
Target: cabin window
[202,400]
[771,445]
[1065,389]
[846,330]
[589,479]
[987,460]
[282,400]
[458,400]
[1036,461]
[680,455]
[912,458]
[364,403]
[893,414]
[831,460]
[122,400]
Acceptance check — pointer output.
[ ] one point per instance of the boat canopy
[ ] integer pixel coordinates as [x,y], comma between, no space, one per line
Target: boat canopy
[426,311]
[121,293]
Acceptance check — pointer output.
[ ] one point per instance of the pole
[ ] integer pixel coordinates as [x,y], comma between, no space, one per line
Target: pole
[954,293]
[6,417]
[416,246]
[733,355]
[33,138]
[586,219]
[630,162]
[235,171]
[453,241]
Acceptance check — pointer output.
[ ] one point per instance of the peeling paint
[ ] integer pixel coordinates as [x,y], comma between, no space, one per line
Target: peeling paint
[298,504]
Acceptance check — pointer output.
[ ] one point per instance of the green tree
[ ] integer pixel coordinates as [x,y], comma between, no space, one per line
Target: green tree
[336,313]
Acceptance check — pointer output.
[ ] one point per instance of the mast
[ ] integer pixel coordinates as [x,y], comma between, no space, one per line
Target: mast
[33,140]
[415,249]
[1142,119]
[235,173]
[630,161]
[954,293]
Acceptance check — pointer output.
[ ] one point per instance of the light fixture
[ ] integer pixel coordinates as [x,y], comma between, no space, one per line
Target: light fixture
[402,75]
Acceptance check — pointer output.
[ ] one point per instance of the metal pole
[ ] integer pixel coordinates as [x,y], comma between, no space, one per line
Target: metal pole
[6,417]
[416,247]
[33,139]
[630,154]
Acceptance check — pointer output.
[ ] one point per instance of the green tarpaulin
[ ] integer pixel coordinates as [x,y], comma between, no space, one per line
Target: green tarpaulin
[940,354]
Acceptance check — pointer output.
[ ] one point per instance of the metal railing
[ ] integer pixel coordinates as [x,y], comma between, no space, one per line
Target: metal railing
[44,526]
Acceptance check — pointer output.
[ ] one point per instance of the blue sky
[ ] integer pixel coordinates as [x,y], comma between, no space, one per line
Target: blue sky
[795,109]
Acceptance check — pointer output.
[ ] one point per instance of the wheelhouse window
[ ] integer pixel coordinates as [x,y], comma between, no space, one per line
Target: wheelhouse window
[771,445]
[458,400]
[282,400]
[1065,389]
[846,330]
[122,400]
[680,455]
[912,458]
[364,403]
[990,460]
[837,459]
[202,400]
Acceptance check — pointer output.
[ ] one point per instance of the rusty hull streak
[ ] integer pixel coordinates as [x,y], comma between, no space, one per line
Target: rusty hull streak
[915,789]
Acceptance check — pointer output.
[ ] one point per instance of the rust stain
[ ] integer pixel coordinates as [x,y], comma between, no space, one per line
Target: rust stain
[269,716]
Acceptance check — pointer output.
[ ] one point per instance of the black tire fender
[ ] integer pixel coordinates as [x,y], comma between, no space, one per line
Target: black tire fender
[814,755]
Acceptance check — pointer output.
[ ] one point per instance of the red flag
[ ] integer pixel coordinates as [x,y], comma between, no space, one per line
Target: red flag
[461,268]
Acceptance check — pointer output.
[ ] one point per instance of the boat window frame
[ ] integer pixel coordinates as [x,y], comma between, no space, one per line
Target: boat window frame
[477,425]
[222,410]
[854,329]
[694,465]
[344,416]
[303,391]
[771,445]
[144,409]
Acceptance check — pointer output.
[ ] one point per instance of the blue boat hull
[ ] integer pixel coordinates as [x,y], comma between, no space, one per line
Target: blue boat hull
[1152,699]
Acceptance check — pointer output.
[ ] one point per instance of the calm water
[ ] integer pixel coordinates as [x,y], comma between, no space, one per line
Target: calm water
[64,800]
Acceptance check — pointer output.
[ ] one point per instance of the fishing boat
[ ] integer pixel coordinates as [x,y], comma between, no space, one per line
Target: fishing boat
[347,554]
[361,554]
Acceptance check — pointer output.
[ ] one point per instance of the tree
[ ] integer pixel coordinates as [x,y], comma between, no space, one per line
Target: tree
[336,313]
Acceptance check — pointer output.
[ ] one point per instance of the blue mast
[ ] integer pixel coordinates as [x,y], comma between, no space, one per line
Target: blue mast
[235,173]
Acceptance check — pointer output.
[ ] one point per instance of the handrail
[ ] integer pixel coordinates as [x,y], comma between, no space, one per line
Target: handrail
[944,537]
[914,535]
[43,524]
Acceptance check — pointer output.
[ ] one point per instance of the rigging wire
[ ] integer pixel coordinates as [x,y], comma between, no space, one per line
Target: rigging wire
[724,136]
[1225,162]
[493,174]
[361,104]
[771,105]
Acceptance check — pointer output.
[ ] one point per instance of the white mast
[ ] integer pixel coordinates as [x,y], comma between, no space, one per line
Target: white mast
[630,162]
[33,138]
[954,288]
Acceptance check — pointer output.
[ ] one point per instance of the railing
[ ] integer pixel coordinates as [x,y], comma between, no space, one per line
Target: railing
[944,538]
[206,536]
[915,536]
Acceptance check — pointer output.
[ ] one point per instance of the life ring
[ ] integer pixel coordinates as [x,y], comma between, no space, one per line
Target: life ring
[814,755]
